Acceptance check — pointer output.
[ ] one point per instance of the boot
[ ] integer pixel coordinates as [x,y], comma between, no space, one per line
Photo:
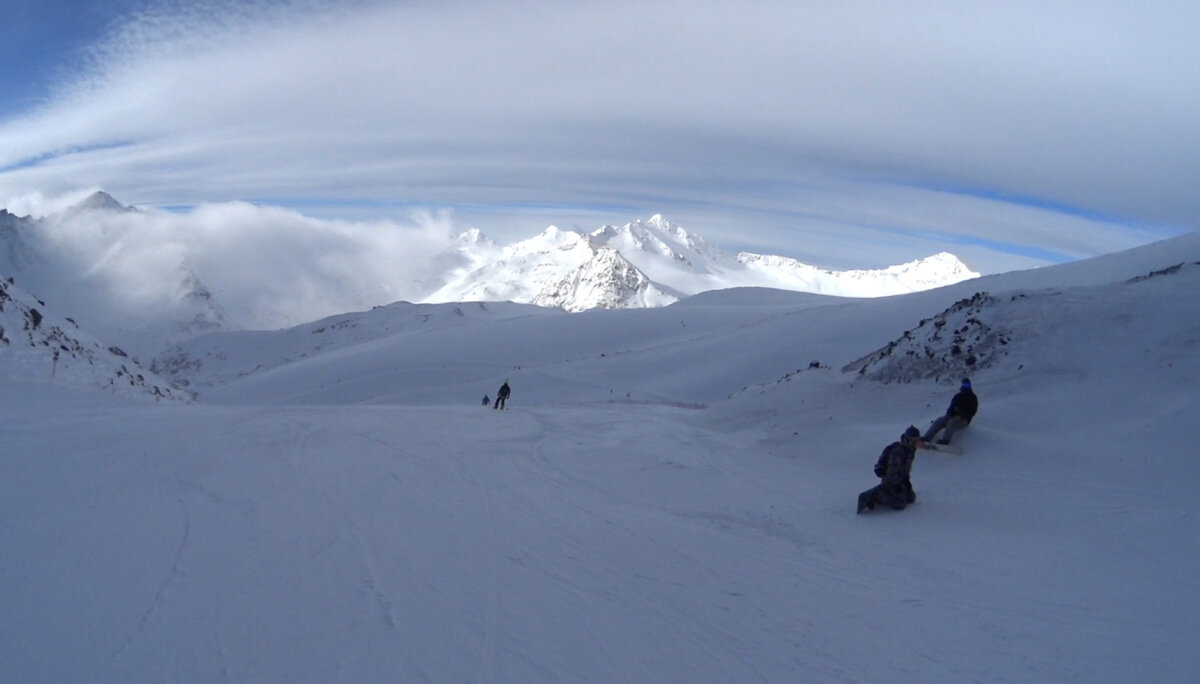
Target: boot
[864,501]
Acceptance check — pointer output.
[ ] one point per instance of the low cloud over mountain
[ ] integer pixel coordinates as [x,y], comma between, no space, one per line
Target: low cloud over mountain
[145,278]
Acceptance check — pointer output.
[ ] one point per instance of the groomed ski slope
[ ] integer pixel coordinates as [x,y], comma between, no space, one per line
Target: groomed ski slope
[679,509]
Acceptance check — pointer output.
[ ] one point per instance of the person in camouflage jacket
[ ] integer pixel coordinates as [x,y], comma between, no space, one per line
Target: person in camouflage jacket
[893,469]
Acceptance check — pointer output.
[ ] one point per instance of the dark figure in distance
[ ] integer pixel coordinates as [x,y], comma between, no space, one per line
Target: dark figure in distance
[893,469]
[502,395]
[962,409]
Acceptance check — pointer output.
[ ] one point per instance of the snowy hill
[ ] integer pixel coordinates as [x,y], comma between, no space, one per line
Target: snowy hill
[669,498]
[937,335]
[217,359]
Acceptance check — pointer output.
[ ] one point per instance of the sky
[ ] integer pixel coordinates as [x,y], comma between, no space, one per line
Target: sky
[845,135]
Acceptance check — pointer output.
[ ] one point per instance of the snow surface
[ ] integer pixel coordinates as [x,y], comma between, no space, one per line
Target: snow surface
[669,498]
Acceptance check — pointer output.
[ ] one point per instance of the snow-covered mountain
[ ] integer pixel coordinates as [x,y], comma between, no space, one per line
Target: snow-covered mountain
[557,269]
[90,258]
[36,343]
[669,498]
[16,254]
[73,257]
[935,335]
[654,263]
[940,269]
[97,201]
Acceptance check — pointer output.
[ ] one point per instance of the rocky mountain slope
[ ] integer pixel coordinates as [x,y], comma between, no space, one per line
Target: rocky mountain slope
[36,343]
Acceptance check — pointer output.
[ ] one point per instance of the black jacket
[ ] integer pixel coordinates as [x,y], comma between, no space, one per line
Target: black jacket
[963,405]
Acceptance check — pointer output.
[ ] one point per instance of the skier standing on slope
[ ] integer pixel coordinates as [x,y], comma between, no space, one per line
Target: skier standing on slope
[962,409]
[893,469]
[502,395]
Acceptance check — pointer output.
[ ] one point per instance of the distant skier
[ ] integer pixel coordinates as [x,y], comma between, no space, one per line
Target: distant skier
[893,469]
[486,400]
[502,395]
[962,409]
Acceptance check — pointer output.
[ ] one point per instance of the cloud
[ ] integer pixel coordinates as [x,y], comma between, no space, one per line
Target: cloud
[764,121]
[266,267]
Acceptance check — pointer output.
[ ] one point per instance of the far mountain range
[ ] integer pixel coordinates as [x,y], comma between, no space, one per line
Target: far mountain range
[646,263]
[654,263]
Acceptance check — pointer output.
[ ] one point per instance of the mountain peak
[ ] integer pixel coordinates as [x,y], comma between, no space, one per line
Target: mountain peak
[101,201]
[10,220]
[605,281]
[552,237]
[656,235]
[937,267]
[474,236]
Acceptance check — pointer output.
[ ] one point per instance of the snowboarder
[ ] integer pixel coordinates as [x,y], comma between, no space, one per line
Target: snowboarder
[962,409]
[502,395]
[893,469]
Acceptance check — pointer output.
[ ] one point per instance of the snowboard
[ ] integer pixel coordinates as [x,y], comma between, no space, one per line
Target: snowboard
[943,448]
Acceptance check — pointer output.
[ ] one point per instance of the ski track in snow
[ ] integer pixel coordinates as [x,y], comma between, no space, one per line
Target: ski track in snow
[564,527]
[159,596]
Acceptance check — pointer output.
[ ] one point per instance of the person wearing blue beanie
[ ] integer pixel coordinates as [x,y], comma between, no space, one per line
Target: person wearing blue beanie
[963,408]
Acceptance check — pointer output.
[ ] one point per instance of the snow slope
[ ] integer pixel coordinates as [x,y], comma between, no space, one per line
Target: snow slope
[670,497]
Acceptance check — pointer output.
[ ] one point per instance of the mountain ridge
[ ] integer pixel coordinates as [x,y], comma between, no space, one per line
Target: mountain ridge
[660,263]
[90,258]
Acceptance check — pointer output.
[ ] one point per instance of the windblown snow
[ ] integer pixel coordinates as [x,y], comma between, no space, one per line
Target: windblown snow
[669,498]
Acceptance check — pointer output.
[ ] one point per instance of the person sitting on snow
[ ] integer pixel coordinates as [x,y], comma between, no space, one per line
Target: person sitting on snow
[962,409]
[893,469]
